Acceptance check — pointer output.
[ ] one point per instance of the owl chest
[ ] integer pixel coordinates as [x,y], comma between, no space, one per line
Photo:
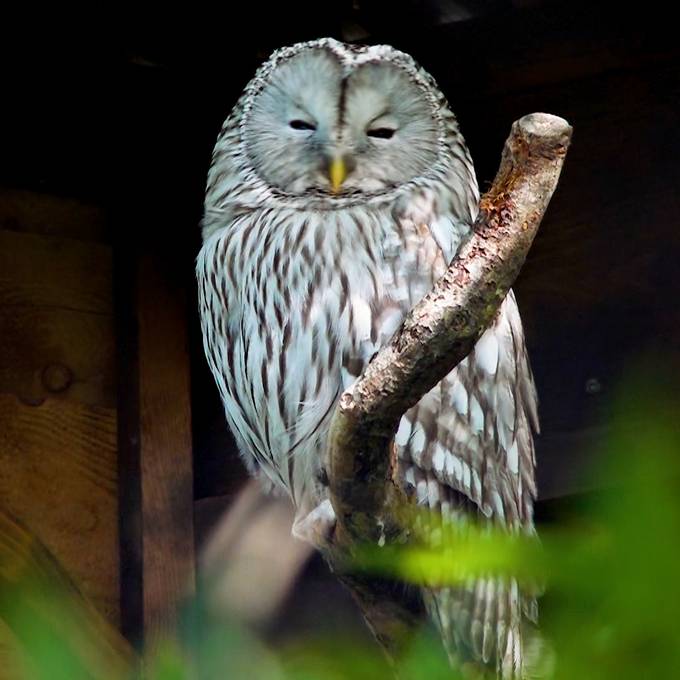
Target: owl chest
[296,309]
[320,294]
[286,307]
[306,299]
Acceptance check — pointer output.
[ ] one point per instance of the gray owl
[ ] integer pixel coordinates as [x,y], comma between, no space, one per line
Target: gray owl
[339,191]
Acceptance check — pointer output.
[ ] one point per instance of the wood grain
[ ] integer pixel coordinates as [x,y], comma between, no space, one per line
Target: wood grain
[36,592]
[54,271]
[56,316]
[35,341]
[58,468]
[58,474]
[165,450]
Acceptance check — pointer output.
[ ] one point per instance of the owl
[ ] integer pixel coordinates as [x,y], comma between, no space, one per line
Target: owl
[340,189]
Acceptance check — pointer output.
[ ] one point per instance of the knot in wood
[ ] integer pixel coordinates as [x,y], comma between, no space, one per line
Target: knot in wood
[57,378]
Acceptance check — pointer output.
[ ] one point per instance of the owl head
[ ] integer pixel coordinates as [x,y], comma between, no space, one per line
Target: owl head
[336,118]
[332,123]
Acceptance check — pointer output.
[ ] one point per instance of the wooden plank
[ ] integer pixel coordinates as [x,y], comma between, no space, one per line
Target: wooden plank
[58,466]
[56,319]
[129,472]
[55,271]
[166,454]
[41,213]
[58,474]
[48,352]
[32,577]
[156,449]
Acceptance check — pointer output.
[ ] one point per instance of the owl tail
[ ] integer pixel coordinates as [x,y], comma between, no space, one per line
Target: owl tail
[487,628]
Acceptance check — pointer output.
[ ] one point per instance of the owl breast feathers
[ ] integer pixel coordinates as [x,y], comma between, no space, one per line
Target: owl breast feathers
[340,190]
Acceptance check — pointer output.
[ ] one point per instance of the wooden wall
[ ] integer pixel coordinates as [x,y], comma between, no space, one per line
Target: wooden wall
[58,466]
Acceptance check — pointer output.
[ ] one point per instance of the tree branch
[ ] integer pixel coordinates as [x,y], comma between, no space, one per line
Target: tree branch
[436,335]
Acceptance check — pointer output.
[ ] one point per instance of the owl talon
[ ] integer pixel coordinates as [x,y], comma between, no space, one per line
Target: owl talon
[317,526]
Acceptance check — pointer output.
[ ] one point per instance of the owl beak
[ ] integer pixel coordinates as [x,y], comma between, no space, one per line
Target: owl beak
[337,172]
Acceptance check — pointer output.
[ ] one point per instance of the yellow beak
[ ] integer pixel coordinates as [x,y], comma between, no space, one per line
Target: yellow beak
[337,172]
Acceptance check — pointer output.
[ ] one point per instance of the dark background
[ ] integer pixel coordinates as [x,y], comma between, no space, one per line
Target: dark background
[123,111]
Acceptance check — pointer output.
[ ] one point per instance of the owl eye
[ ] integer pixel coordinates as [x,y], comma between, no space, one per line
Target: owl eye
[302,125]
[381,133]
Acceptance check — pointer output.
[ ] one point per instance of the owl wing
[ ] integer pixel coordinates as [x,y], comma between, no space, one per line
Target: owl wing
[466,449]
[472,433]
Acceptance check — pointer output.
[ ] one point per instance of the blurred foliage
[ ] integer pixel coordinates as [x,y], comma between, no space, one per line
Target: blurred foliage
[610,573]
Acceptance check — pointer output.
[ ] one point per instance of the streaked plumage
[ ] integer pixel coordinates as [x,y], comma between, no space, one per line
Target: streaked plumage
[299,286]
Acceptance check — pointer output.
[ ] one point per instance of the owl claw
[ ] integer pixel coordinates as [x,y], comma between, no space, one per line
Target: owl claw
[317,526]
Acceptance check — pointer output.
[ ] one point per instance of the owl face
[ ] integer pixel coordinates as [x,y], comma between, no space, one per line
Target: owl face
[323,121]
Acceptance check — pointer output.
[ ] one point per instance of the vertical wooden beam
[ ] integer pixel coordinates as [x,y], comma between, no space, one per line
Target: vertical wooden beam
[129,475]
[165,447]
[156,466]
[155,220]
